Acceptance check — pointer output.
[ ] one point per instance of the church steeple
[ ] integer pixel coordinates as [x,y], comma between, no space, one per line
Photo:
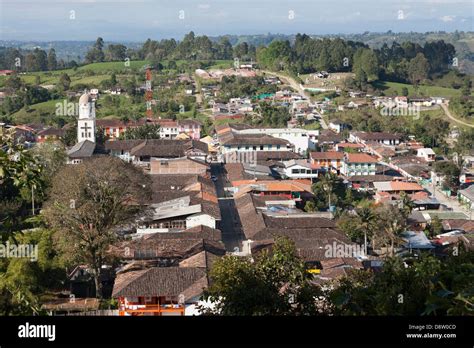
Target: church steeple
[86,122]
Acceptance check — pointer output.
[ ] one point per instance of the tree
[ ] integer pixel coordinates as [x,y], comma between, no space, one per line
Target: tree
[450,171]
[147,131]
[406,205]
[392,224]
[64,82]
[96,54]
[89,202]
[116,52]
[113,79]
[424,286]
[22,281]
[435,227]
[366,65]
[276,283]
[418,69]
[14,82]
[20,179]
[52,60]
[329,191]
[367,223]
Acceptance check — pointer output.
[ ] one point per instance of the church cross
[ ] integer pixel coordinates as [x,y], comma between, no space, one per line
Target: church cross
[85,128]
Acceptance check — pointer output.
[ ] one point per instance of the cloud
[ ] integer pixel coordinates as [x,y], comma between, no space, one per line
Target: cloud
[448,18]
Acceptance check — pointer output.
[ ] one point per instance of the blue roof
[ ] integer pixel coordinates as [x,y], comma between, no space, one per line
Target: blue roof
[416,240]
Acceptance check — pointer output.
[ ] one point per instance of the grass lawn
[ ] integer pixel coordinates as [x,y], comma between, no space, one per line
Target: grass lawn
[222,64]
[37,112]
[113,66]
[395,88]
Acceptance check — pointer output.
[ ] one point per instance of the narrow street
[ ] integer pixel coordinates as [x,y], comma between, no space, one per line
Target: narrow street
[450,202]
[232,235]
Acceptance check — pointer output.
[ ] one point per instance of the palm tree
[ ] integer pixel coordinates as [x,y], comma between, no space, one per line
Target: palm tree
[393,224]
[328,182]
[406,205]
[367,223]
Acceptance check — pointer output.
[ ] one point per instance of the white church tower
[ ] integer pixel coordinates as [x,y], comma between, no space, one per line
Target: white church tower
[86,122]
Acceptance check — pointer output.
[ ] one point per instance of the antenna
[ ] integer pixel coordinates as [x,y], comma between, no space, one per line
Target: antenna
[148,92]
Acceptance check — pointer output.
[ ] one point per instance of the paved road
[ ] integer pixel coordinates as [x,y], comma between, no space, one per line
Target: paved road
[232,234]
[296,86]
[448,113]
[451,202]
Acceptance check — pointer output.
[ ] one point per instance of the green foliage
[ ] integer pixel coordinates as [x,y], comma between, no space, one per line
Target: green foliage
[419,68]
[276,283]
[147,131]
[450,171]
[89,201]
[329,190]
[64,82]
[20,174]
[426,287]
[23,281]
[273,116]
[366,66]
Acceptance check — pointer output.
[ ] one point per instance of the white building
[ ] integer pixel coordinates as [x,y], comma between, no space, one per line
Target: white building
[426,153]
[301,139]
[86,123]
[86,128]
[337,126]
[300,169]
[179,214]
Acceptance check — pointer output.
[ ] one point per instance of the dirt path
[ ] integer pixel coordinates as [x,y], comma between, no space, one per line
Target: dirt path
[448,113]
[296,86]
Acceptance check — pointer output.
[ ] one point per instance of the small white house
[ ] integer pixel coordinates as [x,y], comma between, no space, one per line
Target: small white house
[427,154]
[337,126]
[300,169]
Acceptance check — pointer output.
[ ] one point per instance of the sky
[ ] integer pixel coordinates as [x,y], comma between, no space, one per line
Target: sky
[137,20]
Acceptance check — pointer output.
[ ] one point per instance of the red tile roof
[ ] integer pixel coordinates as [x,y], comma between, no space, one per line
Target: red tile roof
[360,158]
[330,155]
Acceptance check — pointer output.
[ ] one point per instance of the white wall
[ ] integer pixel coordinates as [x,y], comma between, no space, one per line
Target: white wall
[200,219]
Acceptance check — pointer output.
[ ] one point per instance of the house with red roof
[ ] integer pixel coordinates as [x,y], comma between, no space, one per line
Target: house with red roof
[358,164]
[329,160]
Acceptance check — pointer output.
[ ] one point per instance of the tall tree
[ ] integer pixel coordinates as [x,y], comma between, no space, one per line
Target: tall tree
[89,202]
[52,60]
[64,82]
[418,69]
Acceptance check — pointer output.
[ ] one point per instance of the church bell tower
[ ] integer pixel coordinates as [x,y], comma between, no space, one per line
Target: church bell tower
[86,123]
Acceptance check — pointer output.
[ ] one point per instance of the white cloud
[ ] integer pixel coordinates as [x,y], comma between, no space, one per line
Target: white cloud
[448,18]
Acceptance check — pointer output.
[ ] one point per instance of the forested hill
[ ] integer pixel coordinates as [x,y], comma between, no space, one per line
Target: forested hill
[462,41]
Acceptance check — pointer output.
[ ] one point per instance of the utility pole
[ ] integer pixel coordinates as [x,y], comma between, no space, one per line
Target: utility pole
[32,200]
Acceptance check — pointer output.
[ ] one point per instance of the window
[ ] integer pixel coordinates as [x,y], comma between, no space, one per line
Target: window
[295,171]
[278,147]
[261,147]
